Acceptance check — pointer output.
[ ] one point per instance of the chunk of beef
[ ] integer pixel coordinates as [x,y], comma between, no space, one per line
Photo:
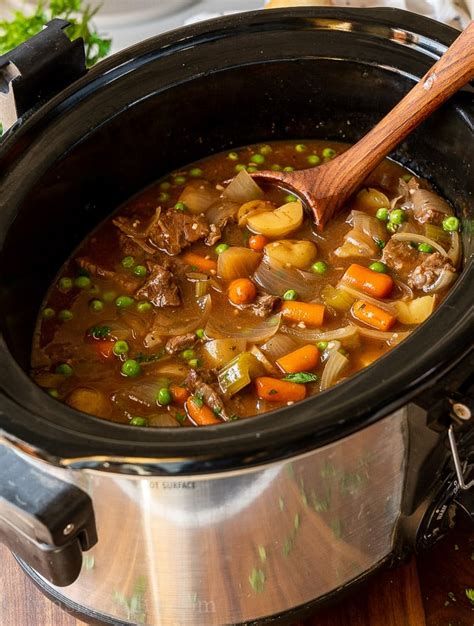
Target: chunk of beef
[132,229]
[401,257]
[161,288]
[434,273]
[215,234]
[181,342]
[128,284]
[175,230]
[129,246]
[263,305]
[406,189]
[196,385]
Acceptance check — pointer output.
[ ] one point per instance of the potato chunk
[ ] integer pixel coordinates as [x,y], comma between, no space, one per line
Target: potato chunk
[279,223]
[300,254]
[90,401]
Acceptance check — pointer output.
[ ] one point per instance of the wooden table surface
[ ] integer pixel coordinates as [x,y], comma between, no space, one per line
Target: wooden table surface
[428,591]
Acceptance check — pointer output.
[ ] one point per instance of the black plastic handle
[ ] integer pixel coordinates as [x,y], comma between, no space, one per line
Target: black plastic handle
[37,70]
[44,521]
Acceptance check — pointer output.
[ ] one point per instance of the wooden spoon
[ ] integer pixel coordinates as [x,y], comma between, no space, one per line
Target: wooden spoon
[325,188]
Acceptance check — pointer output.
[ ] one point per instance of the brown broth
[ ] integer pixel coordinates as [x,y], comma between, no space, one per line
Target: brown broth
[121,398]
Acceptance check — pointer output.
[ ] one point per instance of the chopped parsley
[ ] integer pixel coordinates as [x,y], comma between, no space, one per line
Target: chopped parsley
[149,358]
[99,332]
[301,378]
[470,595]
[198,400]
[272,392]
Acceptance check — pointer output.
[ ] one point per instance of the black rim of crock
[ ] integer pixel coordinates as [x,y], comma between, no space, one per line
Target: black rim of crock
[80,440]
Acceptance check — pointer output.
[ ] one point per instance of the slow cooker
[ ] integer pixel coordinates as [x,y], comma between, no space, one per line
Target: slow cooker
[260,519]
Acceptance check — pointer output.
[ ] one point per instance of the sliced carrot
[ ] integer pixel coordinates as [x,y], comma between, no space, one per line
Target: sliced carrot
[200,413]
[242,291]
[179,394]
[302,360]
[257,242]
[373,283]
[308,312]
[373,315]
[275,390]
[103,347]
[196,260]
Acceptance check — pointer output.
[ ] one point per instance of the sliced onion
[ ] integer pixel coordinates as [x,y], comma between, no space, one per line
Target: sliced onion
[405,289]
[163,420]
[218,328]
[237,262]
[444,280]
[125,328]
[140,394]
[348,335]
[380,335]
[369,225]
[335,365]
[454,252]
[198,196]
[167,324]
[261,358]
[426,200]
[275,279]
[278,346]
[356,243]
[218,352]
[242,189]
[360,295]
[419,239]
[222,212]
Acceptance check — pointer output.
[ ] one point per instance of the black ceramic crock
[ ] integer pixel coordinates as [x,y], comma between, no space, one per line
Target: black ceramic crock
[68,162]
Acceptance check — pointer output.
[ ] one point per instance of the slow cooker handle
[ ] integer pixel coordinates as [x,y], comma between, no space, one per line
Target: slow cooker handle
[45,522]
[37,70]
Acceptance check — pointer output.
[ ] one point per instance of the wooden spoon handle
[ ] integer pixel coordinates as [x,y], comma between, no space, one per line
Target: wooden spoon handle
[450,73]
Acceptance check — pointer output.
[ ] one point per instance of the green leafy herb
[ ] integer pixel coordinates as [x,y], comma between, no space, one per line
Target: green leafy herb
[262,553]
[272,392]
[149,358]
[198,400]
[257,580]
[301,378]
[181,417]
[22,26]
[99,332]
[470,595]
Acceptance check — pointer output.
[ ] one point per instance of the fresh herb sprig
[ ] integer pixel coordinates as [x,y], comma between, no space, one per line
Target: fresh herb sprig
[24,25]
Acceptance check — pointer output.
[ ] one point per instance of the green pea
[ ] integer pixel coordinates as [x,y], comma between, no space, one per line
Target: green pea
[139,421]
[164,196]
[382,214]
[276,168]
[222,247]
[143,307]
[288,168]
[140,270]
[96,306]
[313,159]
[109,296]
[450,224]
[194,363]
[320,267]
[251,169]
[266,150]
[329,153]
[65,315]
[164,397]
[196,172]
[83,282]
[120,347]
[240,167]
[289,295]
[425,247]
[378,266]
[300,147]
[233,156]
[200,333]
[180,206]
[128,262]
[322,345]
[64,369]
[48,313]
[397,216]
[179,180]
[291,198]
[131,368]
[124,301]
[65,284]
[188,354]
[391,227]
[259,159]
[54,393]
[165,186]
[94,290]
